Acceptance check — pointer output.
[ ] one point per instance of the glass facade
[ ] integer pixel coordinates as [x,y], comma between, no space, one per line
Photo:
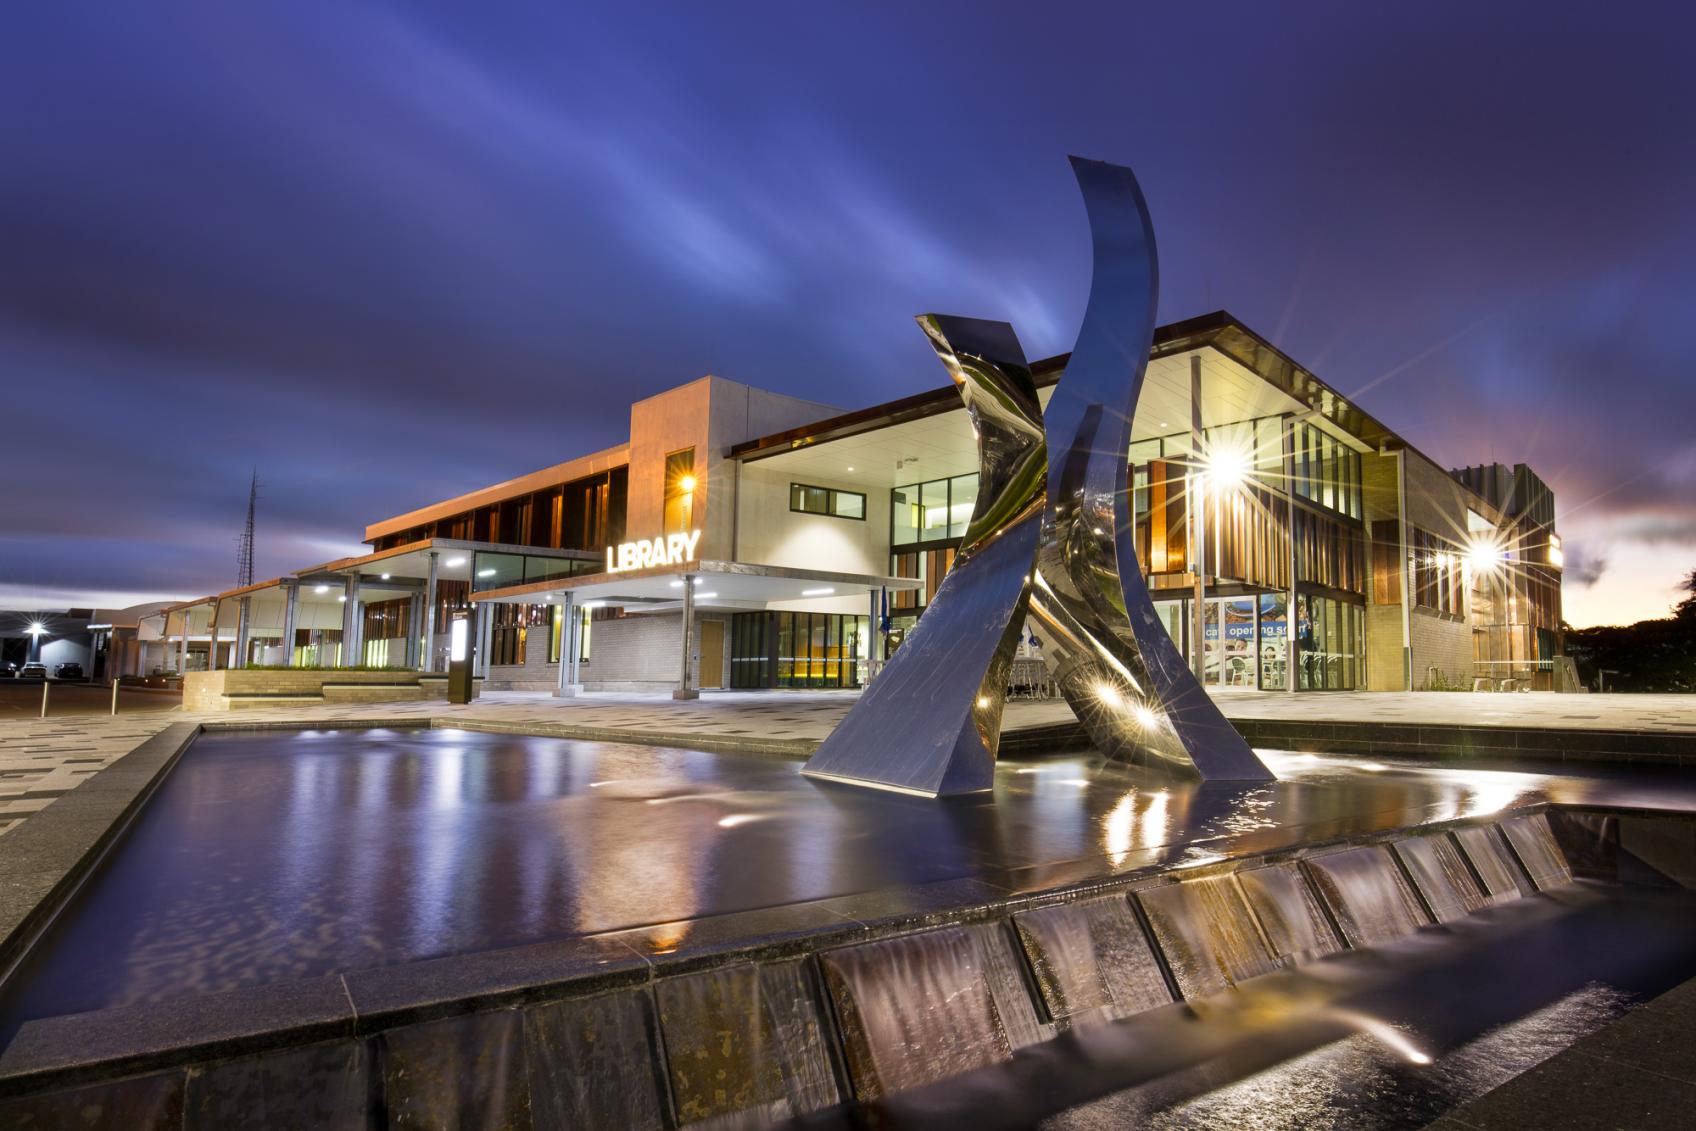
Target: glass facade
[1332,642]
[585,514]
[497,571]
[933,511]
[797,649]
[805,499]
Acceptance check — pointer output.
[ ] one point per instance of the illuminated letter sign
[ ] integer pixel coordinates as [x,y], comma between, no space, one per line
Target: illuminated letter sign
[673,549]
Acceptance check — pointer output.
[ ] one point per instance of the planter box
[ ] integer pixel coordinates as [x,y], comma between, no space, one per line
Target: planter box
[238,688]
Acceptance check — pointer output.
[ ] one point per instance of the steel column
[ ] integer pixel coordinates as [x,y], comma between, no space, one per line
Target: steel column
[685,686]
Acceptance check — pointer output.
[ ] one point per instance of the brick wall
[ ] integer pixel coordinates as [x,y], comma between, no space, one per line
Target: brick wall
[1444,644]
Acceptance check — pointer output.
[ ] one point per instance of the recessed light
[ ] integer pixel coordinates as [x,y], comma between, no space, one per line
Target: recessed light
[385,577]
[698,596]
[817,592]
[850,469]
[342,598]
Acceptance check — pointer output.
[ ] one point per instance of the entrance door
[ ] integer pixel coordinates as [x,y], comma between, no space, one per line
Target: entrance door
[712,653]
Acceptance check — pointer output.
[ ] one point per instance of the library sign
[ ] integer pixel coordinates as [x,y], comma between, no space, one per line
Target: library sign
[652,553]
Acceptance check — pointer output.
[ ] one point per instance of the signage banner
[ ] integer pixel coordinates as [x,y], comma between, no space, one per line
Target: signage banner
[652,553]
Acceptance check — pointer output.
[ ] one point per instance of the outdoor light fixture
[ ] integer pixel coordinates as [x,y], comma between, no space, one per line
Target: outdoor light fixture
[1485,555]
[454,562]
[687,483]
[699,596]
[36,628]
[817,592]
[385,577]
[1226,467]
[342,598]
[320,588]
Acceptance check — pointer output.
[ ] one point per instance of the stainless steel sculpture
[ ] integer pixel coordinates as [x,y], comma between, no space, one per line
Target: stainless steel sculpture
[931,722]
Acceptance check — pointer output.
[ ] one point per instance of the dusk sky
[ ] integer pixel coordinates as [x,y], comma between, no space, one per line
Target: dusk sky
[389,253]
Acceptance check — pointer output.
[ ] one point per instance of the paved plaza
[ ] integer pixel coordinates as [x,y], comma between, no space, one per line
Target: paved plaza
[43,759]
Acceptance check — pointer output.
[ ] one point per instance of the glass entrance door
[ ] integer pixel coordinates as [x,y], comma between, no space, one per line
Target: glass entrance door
[1229,630]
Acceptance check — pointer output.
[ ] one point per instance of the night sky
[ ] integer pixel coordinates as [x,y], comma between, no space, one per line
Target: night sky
[391,253]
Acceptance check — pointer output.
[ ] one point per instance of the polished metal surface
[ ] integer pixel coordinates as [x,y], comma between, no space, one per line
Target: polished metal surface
[931,722]
[1112,658]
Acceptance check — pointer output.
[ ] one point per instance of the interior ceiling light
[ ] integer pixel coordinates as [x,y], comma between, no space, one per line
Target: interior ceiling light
[452,562]
[817,592]
[320,588]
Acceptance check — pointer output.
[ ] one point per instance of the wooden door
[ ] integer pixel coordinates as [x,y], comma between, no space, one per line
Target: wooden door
[712,653]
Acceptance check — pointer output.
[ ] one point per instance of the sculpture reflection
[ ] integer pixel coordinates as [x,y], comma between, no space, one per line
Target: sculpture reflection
[930,723]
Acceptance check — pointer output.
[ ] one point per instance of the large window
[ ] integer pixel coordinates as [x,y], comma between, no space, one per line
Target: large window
[805,499]
[788,649]
[1330,634]
[930,512]
[510,631]
[1327,470]
[585,514]
[679,517]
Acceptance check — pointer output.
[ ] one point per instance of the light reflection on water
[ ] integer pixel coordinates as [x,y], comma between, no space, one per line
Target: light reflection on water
[273,856]
[1361,1083]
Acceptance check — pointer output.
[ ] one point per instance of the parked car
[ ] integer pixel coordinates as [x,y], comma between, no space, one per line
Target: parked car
[33,671]
[8,670]
[71,670]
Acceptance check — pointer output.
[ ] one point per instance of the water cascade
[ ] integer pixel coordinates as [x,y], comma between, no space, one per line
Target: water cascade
[744,1042]
[591,1063]
[1484,846]
[1533,842]
[1092,960]
[1367,893]
[1441,875]
[920,1008]
[1289,913]
[1207,933]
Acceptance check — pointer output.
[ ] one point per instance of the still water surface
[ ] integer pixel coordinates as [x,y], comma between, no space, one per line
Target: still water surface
[280,855]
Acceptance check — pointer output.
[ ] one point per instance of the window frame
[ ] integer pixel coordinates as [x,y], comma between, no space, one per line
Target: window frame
[797,491]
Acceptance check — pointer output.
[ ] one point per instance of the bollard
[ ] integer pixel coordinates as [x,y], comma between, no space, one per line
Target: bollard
[44,686]
[114,695]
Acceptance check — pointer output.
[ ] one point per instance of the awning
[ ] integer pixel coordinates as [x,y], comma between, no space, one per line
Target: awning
[743,585]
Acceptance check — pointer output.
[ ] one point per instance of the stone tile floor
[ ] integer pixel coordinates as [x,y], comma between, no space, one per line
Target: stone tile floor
[41,759]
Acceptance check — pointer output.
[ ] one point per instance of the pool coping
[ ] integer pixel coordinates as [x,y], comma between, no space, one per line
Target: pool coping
[74,1049]
[45,860]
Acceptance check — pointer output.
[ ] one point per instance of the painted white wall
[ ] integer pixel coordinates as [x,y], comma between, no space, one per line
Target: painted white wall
[772,534]
[65,652]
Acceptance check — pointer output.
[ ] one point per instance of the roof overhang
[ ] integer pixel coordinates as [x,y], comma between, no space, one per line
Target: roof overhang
[744,585]
[1218,332]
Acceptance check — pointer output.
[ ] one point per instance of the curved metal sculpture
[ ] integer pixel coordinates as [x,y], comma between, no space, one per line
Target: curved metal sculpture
[931,722]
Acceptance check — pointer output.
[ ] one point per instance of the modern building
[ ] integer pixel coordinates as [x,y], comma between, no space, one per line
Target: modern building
[781,543]
[103,641]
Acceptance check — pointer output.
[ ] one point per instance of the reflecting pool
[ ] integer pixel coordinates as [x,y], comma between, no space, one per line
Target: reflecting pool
[271,856]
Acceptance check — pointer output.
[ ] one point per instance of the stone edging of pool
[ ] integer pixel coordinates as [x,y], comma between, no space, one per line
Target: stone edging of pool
[45,859]
[61,1052]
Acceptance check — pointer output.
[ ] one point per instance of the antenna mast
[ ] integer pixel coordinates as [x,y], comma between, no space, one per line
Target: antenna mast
[244,552]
